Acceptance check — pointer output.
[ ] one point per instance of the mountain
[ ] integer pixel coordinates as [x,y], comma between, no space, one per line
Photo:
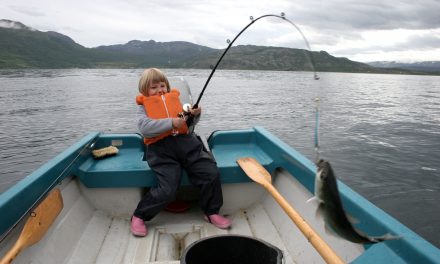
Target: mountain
[24,47]
[138,54]
[5,23]
[428,66]
[269,58]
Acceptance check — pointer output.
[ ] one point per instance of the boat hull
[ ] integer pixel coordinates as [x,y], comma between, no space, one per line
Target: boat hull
[100,196]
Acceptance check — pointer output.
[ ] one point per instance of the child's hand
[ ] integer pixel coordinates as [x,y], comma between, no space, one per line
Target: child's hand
[196,111]
[178,122]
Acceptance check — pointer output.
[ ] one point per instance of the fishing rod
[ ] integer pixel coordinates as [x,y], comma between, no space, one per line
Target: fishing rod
[190,118]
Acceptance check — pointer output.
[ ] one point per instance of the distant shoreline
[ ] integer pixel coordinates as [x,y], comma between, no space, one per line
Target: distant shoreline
[221,69]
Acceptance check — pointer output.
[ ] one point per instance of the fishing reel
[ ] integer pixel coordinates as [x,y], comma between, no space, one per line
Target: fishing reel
[186,113]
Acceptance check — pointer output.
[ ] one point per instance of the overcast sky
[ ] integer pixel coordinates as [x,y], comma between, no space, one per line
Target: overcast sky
[369,30]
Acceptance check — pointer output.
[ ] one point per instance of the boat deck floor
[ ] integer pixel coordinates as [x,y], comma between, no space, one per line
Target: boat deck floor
[108,239]
[94,227]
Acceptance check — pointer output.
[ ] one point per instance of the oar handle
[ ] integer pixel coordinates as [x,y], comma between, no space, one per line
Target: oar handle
[318,243]
[12,253]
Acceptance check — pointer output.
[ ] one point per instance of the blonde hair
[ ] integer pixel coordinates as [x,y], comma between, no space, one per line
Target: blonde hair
[150,76]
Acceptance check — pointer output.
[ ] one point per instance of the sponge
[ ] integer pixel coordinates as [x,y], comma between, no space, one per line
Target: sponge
[105,152]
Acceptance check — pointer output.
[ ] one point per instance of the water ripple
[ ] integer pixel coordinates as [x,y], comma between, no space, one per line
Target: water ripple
[381,132]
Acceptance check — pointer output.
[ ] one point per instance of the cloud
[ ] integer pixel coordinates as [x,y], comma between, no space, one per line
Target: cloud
[367,15]
[399,44]
[27,10]
[341,27]
[424,41]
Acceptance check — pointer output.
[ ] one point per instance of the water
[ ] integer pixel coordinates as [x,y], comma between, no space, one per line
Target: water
[380,132]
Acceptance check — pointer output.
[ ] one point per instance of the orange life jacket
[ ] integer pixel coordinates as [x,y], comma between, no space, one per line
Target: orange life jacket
[162,106]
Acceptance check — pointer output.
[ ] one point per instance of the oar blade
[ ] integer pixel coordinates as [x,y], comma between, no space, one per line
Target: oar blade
[255,170]
[41,219]
[36,225]
[259,174]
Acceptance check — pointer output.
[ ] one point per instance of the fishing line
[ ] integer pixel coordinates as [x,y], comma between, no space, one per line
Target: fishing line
[190,118]
[317,113]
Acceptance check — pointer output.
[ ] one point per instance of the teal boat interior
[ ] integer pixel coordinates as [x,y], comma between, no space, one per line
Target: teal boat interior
[129,169]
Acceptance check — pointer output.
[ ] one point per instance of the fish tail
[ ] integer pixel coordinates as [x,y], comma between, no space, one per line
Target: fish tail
[384,238]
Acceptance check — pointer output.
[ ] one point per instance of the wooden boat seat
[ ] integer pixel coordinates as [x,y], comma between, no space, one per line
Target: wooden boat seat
[129,169]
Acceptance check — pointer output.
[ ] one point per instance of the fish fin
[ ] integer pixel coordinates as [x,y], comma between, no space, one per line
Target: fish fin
[376,239]
[353,220]
[330,231]
[313,200]
[364,237]
[385,237]
[319,214]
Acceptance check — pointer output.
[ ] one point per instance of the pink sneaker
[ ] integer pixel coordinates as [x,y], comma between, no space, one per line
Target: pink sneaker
[219,221]
[138,227]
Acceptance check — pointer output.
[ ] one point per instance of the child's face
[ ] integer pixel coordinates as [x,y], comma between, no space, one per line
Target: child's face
[157,88]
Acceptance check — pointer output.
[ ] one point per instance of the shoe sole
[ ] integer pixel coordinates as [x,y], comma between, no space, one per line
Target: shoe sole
[138,234]
[227,226]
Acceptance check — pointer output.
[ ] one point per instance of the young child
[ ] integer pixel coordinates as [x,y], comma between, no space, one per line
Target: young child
[171,148]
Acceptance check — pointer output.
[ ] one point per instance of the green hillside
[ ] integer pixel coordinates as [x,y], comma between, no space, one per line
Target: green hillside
[26,48]
[21,48]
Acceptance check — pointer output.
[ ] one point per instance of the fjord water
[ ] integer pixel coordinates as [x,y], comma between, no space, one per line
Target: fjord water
[381,133]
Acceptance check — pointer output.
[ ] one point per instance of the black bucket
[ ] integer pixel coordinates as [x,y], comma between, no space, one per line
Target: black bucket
[231,249]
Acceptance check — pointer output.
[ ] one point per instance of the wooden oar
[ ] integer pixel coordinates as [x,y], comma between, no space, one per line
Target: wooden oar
[259,174]
[37,224]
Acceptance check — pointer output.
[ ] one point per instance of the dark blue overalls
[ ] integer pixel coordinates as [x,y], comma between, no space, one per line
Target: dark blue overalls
[167,157]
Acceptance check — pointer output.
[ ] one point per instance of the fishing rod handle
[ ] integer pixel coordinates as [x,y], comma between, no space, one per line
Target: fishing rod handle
[189,118]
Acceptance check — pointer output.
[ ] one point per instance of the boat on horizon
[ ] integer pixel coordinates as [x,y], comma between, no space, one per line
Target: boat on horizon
[99,196]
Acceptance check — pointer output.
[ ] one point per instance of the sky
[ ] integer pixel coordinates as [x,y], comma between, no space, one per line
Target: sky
[368,30]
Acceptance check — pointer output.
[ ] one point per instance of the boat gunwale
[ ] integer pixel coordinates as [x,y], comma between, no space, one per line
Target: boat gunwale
[410,244]
[411,247]
[30,190]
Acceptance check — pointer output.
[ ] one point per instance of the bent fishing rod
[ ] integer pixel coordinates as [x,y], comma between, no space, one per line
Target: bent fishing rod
[190,118]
